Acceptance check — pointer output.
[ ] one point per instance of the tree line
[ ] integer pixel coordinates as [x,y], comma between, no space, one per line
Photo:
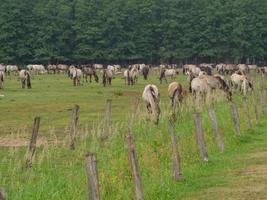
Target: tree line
[130,31]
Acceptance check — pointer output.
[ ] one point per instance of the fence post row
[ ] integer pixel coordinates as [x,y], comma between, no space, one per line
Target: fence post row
[105,132]
[92,177]
[217,132]
[32,145]
[134,167]
[175,155]
[73,126]
[235,119]
[246,111]
[200,137]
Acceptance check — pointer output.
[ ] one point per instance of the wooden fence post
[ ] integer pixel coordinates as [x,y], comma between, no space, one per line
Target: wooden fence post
[254,99]
[134,167]
[105,132]
[133,116]
[32,145]
[73,126]
[235,119]
[3,195]
[217,132]
[175,153]
[92,177]
[262,101]
[246,111]
[200,137]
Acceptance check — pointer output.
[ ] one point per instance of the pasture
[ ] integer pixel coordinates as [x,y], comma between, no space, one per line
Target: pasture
[59,173]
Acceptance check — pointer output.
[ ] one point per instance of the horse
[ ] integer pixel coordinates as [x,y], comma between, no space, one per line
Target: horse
[61,68]
[241,82]
[75,74]
[89,71]
[12,68]
[151,99]
[2,77]
[25,78]
[107,77]
[144,71]
[36,69]
[132,75]
[51,69]
[205,84]
[243,68]
[114,68]
[176,93]
[167,72]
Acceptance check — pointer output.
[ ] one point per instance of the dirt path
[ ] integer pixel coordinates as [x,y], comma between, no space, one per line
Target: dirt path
[248,183]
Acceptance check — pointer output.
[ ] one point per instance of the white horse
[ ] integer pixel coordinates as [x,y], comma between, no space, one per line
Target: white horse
[12,69]
[242,83]
[25,78]
[167,73]
[113,68]
[132,75]
[151,99]
[2,78]
[76,75]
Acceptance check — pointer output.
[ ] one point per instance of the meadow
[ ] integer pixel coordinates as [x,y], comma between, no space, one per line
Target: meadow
[59,173]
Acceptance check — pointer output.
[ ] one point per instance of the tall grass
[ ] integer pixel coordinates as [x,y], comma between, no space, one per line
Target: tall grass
[59,173]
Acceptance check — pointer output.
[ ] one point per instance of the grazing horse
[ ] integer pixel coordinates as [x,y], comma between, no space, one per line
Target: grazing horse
[51,69]
[12,69]
[107,77]
[205,85]
[151,98]
[176,93]
[89,71]
[2,77]
[145,71]
[241,82]
[167,73]
[25,77]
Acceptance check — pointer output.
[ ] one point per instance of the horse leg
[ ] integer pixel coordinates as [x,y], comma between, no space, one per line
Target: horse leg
[90,77]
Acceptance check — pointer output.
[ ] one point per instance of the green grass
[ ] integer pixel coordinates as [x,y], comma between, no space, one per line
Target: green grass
[59,173]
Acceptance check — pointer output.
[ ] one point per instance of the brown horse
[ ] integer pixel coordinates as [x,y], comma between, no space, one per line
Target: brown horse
[89,71]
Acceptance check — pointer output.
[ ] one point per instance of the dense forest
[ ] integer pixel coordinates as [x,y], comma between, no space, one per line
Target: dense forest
[127,31]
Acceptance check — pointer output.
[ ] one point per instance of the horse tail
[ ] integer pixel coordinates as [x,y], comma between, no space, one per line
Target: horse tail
[28,77]
[154,102]
[1,77]
[104,77]
[178,91]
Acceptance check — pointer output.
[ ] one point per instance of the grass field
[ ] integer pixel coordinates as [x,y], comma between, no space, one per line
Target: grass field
[59,173]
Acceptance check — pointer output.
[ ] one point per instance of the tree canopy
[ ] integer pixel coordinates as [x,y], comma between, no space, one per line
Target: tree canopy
[124,31]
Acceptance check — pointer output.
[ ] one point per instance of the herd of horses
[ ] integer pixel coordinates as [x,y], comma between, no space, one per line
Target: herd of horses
[203,79]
